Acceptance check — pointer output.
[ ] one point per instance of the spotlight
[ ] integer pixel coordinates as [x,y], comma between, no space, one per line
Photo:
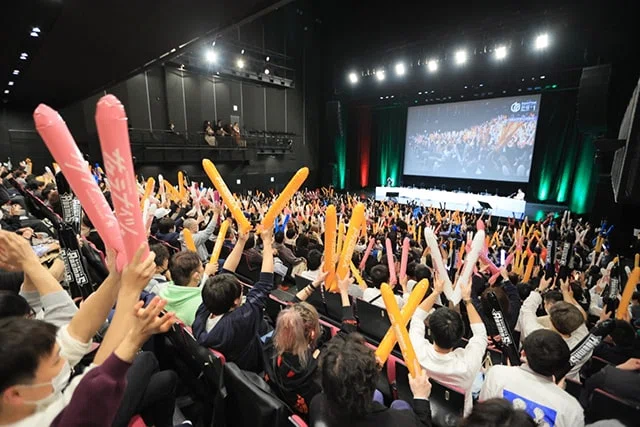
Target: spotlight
[400,69]
[501,52]
[24,56]
[267,59]
[242,52]
[380,75]
[33,34]
[240,63]
[542,41]
[461,57]
[432,65]
[6,91]
[16,72]
[36,29]
[543,77]
[272,179]
[212,56]
[10,83]
[353,78]
[266,71]
[238,181]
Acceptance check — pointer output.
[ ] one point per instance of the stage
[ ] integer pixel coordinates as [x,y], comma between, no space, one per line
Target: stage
[500,206]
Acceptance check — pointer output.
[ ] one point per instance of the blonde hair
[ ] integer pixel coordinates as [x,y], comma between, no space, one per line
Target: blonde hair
[297,328]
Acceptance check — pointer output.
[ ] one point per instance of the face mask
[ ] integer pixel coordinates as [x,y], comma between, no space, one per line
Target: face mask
[59,382]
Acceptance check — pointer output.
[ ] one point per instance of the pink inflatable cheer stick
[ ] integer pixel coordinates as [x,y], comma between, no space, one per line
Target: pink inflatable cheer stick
[404,258]
[495,276]
[111,122]
[64,150]
[392,267]
[367,252]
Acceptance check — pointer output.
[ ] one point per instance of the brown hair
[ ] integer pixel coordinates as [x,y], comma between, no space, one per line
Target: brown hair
[565,317]
[182,265]
[297,327]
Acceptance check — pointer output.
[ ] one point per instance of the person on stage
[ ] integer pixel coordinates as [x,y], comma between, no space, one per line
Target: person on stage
[389,182]
[519,194]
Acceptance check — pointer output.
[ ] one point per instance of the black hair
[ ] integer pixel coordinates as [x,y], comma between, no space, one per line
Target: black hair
[565,317]
[546,351]
[24,343]
[165,225]
[411,269]
[302,241]
[349,374]
[421,272]
[182,265]
[219,293]
[497,412]
[290,233]
[446,327]
[553,296]
[635,296]
[12,304]
[314,259]
[162,253]
[279,237]
[623,335]
[379,275]
[524,289]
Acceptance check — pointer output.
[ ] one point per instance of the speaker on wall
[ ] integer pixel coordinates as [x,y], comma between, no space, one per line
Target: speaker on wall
[592,98]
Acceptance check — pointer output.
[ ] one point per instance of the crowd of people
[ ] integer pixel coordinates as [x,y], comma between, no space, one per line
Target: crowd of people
[54,374]
[501,147]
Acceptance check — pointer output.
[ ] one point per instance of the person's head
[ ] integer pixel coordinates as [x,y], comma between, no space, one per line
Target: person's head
[446,327]
[379,275]
[411,270]
[551,298]
[314,259]
[349,374]
[302,241]
[191,225]
[565,317]
[524,289]
[166,225]
[291,233]
[635,298]
[623,335]
[421,271]
[279,237]
[221,293]
[162,257]
[497,412]
[546,352]
[12,304]
[32,371]
[186,269]
[297,329]
[251,242]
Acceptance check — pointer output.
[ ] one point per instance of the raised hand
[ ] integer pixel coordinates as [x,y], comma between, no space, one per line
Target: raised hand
[15,252]
[343,284]
[148,322]
[420,385]
[137,274]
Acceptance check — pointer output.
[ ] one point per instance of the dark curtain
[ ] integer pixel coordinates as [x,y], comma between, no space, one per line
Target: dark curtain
[388,131]
[563,169]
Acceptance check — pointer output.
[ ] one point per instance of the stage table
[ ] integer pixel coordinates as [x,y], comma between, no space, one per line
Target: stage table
[500,206]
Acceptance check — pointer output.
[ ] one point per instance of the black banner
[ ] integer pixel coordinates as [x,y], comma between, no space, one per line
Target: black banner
[76,275]
[507,343]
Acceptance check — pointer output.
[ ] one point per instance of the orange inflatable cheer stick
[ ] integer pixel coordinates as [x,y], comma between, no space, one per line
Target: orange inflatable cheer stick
[181,190]
[188,240]
[629,288]
[283,199]
[529,269]
[234,207]
[636,261]
[408,353]
[330,247]
[389,341]
[217,248]
[356,275]
[148,189]
[340,237]
[349,242]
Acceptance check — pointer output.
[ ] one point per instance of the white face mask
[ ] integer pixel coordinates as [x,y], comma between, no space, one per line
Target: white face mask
[59,382]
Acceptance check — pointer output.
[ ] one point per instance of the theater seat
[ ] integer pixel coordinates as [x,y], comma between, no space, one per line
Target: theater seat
[200,369]
[250,402]
[447,404]
[606,406]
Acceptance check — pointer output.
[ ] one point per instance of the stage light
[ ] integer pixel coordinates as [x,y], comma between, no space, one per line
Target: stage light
[240,63]
[10,83]
[272,179]
[432,65]
[267,59]
[266,71]
[238,181]
[36,29]
[382,97]
[501,52]
[400,69]
[33,34]
[543,77]
[542,41]
[461,57]
[212,56]
[419,93]
[16,72]
[353,78]
[6,91]
[24,56]
[380,75]
[242,52]
[173,50]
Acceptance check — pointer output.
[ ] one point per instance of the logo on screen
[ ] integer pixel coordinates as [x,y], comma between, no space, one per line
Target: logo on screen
[515,107]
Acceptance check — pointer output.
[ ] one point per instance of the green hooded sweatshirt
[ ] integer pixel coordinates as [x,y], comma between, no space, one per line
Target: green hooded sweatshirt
[182,300]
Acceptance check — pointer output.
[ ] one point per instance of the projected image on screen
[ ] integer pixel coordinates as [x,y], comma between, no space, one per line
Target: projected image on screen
[487,139]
